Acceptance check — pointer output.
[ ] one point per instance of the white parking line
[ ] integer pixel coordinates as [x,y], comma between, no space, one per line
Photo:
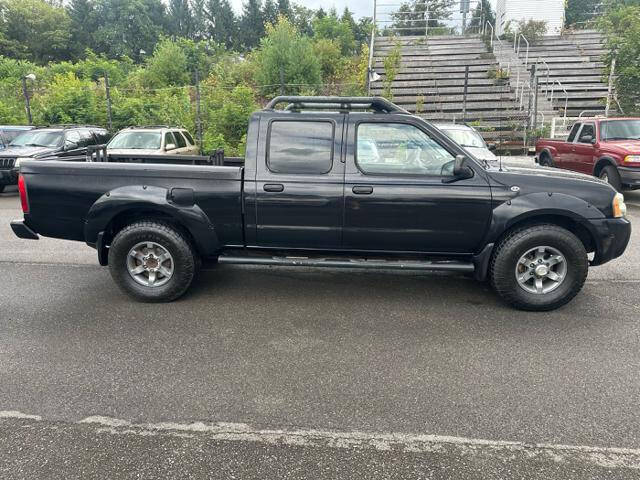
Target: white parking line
[608,457]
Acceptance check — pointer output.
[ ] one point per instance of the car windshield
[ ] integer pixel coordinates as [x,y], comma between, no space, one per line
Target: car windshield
[137,140]
[620,130]
[42,138]
[465,138]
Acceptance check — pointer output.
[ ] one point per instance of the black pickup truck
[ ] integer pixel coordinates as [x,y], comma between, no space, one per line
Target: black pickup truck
[338,182]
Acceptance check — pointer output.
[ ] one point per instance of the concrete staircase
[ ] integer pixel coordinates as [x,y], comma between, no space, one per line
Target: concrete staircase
[430,83]
[430,80]
[576,60]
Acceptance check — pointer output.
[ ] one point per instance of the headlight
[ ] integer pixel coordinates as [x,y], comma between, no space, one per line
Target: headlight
[632,159]
[19,160]
[619,207]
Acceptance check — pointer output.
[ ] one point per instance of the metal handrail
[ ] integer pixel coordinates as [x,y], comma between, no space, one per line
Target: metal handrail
[566,95]
[526,61]
[487,23]
[546,83]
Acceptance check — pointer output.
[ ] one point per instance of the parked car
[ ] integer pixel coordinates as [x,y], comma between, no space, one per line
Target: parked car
[308,196]
[469,138]
[48,143]
[155,140]
[9,132]
[608,148]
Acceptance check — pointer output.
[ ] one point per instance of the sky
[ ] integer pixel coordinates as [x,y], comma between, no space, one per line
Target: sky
[360,8]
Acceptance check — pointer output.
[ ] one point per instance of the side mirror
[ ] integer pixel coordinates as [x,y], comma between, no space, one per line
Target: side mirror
[492,147]
[70,145]
[587,139]
[460,170]
[170,146]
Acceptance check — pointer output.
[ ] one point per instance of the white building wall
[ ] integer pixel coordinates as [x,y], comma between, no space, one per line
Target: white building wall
[551,11]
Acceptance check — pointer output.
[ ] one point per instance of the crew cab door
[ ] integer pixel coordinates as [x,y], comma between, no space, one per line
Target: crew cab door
[299,182]
[396,193]
[584,150]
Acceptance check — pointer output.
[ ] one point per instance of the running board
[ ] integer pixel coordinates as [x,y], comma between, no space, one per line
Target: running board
[445,265]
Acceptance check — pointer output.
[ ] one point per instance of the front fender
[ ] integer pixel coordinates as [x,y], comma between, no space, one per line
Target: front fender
[148,199]
[539,204]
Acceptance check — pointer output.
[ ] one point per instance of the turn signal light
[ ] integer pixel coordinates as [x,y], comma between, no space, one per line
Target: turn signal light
[619,207]
[22,188]
[632,159]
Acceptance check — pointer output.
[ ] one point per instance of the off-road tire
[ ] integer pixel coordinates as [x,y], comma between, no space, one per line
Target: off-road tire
[610,174]
[545,160]
[186,260]
[517,243]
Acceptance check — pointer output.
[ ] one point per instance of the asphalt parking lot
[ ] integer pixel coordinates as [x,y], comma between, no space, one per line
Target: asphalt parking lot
[299,373]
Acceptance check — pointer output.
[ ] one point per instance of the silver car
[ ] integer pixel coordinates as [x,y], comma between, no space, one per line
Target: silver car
[469,138]
[159,140]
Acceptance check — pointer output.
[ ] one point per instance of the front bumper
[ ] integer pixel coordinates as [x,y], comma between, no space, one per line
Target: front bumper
[9,177]
[22,231]
[630,176]
[612,237]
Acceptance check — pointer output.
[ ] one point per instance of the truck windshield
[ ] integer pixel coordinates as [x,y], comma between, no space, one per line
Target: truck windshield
[137,140]
[41,138]
[620,130]
[465,138]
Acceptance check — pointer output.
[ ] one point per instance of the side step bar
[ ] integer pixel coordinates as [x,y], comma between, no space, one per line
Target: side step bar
[446,265]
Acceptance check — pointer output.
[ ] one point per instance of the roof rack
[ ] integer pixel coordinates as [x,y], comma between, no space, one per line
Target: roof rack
[153,126]
[68,125]
[378,104]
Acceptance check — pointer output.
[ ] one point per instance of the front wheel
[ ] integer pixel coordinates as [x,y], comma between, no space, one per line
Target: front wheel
[610,175]
[539,268]
[152,261]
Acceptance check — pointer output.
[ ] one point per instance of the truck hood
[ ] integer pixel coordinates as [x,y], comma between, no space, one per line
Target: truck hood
[26,151]
[481,153]
[627,147]
[592,190]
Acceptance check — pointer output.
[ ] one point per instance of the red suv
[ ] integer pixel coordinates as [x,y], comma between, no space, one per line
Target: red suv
[608,148]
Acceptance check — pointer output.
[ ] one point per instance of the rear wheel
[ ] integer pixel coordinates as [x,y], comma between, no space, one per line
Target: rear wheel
[152,261]
[610,175]
[539,268]
[545,160]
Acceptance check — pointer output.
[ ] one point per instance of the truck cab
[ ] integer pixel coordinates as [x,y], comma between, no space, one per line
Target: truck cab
[608,148]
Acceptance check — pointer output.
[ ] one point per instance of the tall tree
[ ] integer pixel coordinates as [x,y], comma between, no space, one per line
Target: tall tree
[270,12]
[332,28]
[251,24]
[83,25]
[221,23]
[129,27]
[579,11]
[284,8]
[34,30]
[199,20]
[481,14]
[413,18]
[180,18]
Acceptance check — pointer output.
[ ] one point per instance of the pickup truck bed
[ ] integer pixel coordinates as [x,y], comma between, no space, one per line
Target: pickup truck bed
[378,188]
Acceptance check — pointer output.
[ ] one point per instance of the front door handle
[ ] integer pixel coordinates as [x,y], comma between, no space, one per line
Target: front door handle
[362,190]
[273,187]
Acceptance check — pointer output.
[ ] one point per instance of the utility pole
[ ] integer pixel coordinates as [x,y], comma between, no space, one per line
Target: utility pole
[610,87]
[27,105]
[108,93]
[464,93]
[198,119]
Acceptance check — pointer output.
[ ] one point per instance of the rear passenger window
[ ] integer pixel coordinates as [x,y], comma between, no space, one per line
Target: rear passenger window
[86,138]
[188,136]
[574,131]
[180,143]
[300,147]
[168,139]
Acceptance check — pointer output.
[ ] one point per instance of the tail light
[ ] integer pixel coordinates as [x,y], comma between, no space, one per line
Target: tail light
[24,200]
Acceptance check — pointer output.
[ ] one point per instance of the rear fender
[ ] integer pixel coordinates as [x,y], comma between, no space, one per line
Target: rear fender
[149,200]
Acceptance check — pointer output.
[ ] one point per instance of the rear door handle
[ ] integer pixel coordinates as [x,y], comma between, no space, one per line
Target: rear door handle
[273,187]
[362,190]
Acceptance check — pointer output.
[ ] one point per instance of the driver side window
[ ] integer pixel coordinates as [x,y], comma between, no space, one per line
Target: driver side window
[400,149]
